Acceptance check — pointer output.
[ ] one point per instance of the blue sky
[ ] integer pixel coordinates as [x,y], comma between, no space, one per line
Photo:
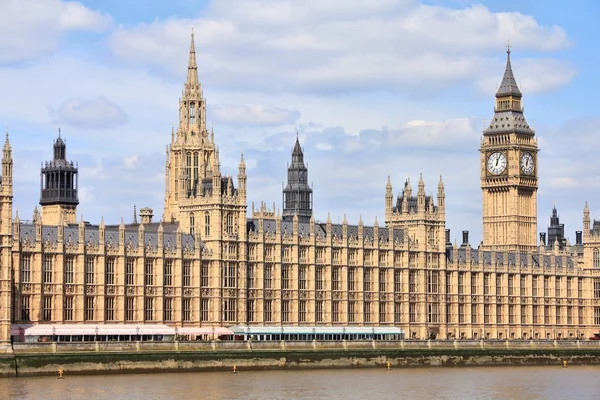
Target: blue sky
[374,87]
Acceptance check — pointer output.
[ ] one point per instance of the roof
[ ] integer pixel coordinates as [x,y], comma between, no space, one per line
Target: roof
[508,86]
[509,121]
[269,225]
[111,235]
[98,329]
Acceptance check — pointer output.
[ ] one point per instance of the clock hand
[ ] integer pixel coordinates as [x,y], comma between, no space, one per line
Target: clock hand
[497,159]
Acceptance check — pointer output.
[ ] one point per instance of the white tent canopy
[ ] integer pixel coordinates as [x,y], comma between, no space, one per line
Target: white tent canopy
[99,329]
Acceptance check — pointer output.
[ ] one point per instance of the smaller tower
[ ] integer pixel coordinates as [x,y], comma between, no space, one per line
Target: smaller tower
[556,231]
[59,184]
[297,195]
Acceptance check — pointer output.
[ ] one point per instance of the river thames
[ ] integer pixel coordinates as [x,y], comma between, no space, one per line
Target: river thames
[523,383]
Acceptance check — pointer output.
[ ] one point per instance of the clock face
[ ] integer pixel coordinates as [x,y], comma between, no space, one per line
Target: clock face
[527,163]
[496,163]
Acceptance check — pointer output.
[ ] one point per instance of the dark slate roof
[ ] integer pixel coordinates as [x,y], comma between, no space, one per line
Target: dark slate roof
[509,121]
[111,235]
[500,258]
[508,86]
[206,186]
[413,204]
[512,259]
[474,257]
[487,258]
[462,255]
[269,226]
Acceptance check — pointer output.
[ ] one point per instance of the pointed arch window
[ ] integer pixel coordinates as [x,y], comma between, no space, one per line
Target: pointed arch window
[192,114]
[596,258]
[195,181]
[206,224]
[188,172]
[192,223]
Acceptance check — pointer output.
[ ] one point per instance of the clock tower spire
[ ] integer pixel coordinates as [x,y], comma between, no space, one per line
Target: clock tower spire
[509,175]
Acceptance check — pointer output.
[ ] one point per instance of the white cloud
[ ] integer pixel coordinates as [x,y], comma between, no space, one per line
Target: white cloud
[323,146]
[435,133]
[96,113]
[533,75]
[33,28]
[252,115]
[305,46]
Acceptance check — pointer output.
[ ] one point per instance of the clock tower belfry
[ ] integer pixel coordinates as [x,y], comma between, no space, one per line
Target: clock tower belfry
[509,173]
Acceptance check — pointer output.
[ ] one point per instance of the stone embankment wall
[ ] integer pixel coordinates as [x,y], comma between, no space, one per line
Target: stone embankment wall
[30,359]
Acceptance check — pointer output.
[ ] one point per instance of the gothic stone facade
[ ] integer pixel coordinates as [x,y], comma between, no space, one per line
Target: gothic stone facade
[207,264]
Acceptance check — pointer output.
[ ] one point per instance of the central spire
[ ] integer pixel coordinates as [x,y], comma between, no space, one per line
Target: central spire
[508,87]
[192,74]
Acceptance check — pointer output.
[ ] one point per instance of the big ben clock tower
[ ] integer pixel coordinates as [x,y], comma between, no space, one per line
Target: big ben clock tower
[509,174]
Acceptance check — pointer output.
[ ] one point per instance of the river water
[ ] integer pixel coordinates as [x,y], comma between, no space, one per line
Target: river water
[523,383]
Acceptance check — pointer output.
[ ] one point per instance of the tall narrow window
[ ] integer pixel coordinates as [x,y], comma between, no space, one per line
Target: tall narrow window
[335,278]
[149,309]
[302,311]
[268,310]
[195,177]
[412,281]
[69,263]
[187,310]
[168,276]
[89,308]
[285,277]
[596,258]
[129,308]
[229,223]
[204,307]
[176,177]
[367,276]
[229,310]
[192,113]
[129,271]
[188,172]
[110,271]
[268,277]
[26,268]
[89,271]
[168,309]
[382,283]
[367,311]
[319,312]
[285,311]
[351,311]
[335,311]
[68,308]
[351,278]
[110,308]
[149,272]
[251,310]
[25,308]
[204,278]
[302,278]
[192,223]
[187,273]
[47,308]
[47,275]
[206,224]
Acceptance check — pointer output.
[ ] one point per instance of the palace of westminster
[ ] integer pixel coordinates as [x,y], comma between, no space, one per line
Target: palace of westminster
[208,263]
